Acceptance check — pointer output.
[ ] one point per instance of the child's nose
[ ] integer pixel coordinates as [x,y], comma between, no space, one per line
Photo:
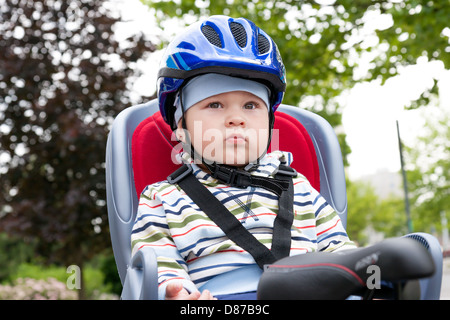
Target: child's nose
[234,119]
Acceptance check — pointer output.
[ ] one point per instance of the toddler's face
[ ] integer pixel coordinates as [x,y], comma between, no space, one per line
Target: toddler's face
[230,128]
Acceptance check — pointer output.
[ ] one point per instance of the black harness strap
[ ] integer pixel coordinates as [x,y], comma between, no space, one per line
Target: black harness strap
[281,239]
[235,231]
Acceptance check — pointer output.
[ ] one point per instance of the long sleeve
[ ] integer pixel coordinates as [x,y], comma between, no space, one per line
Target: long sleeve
[151,229]
[331,234]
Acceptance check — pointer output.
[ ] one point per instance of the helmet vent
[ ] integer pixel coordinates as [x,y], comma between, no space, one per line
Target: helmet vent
[211,34]
[263,44]
[239,33]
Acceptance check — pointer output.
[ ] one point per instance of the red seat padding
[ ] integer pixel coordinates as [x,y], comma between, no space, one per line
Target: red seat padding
[294,138]
[153,149]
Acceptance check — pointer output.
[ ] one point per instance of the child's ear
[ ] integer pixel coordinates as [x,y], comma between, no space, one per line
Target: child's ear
[180,134]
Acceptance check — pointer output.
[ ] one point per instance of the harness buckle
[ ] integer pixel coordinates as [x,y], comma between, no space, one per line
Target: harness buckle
[241,179]
[233,177]
[287,171]
[180,174]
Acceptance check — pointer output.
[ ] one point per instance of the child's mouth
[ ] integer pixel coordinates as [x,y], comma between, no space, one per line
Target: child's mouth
[235,139]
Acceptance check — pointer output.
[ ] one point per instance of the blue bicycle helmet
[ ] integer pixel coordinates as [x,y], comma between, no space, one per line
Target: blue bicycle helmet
[223,45]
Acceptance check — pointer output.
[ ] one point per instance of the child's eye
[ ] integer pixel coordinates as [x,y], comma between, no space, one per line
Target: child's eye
[214,105]
[250,105]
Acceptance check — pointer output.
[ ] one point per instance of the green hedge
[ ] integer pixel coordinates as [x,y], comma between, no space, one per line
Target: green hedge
[95,286]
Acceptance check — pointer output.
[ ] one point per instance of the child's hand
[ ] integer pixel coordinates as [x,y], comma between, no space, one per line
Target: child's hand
[175,291]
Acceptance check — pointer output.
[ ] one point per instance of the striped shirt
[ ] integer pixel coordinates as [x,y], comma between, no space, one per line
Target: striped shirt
[193,249]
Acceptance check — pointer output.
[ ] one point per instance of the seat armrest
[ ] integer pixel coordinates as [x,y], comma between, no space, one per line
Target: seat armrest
[430,288]
[141,282]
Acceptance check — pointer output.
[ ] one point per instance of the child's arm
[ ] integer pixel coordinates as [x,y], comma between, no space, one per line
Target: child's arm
[151,229]
[331,234]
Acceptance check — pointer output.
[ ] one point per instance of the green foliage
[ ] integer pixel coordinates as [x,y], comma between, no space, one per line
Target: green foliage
[428,164]
[111,279]
[366,208]
[93,277]
[361,206]
[13,252]
[390,217]
[37,271]
[420,30]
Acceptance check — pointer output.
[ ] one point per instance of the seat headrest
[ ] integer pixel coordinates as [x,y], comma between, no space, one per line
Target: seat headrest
[152,149]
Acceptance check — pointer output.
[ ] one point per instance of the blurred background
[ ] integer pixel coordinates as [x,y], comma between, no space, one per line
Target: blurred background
[378,71]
